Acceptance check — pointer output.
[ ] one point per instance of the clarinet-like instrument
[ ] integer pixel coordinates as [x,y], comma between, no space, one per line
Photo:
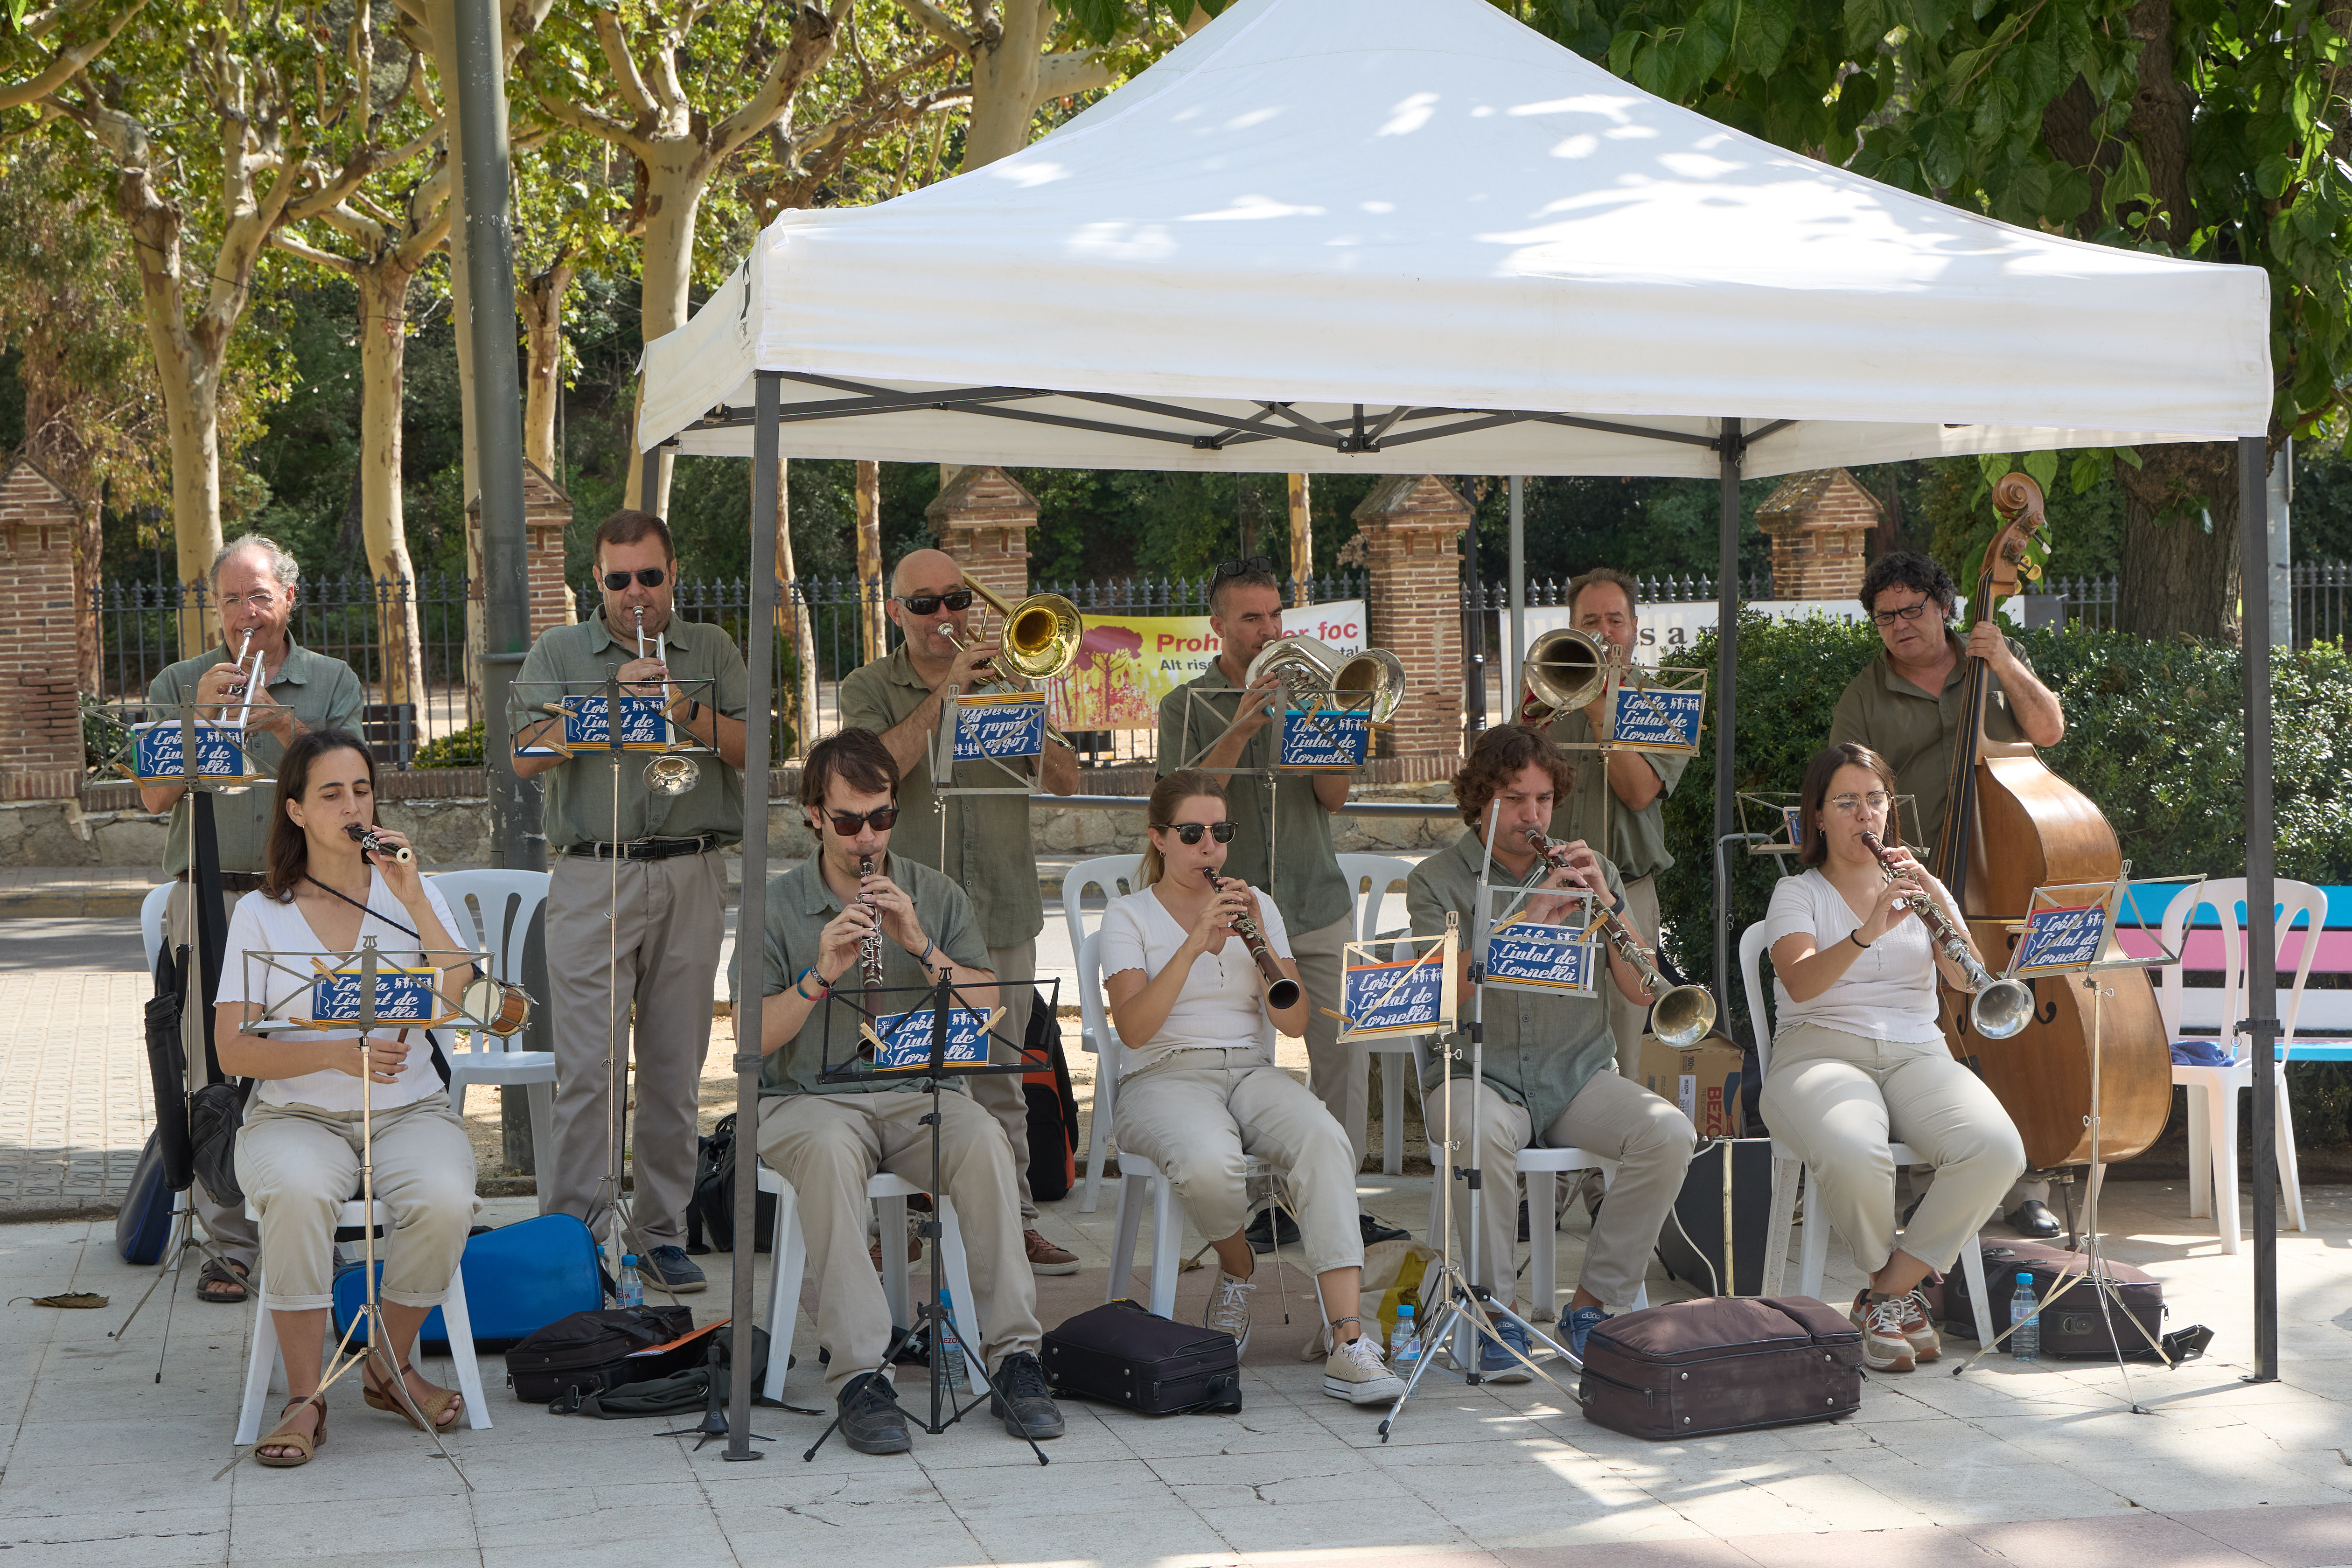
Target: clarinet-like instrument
[1998,1007]
[374,843]
[1682,1015]
[869,947]
[1281,990]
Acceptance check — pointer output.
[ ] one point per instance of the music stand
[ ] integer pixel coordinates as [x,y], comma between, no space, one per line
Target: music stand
[951,1038]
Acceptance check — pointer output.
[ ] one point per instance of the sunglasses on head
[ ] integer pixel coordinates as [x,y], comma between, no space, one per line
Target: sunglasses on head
[651,576]
[1191,832]
[1248,564]
[847,824]
[956,599]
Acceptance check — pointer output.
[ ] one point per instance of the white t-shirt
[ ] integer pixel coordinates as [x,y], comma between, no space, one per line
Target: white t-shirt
[1223,1003]
[1888,992]
[261,925]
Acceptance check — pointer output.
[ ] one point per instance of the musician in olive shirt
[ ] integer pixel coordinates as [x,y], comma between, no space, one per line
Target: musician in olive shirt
[253,582]
[1908,704]
[640,937]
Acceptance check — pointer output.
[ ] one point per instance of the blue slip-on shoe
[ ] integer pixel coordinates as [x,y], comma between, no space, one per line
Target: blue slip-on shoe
[1497,1364]
[1582,1321]
[670,1269]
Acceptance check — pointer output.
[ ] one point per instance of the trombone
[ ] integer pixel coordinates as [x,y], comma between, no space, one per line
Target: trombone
[1041,636]
[1317,676]
[1566,669]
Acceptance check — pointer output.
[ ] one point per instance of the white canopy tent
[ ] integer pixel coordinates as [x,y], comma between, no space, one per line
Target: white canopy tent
[1412,235]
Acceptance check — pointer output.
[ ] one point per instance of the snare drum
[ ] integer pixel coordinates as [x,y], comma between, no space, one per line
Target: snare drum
[506,1007]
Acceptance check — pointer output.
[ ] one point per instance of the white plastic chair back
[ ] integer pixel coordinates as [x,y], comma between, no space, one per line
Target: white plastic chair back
[1111,875]
[1383,873]
[2227,897]
[494,910]
[151,920]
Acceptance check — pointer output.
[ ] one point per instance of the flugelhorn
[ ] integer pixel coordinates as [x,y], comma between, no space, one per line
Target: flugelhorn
[1681,1015]
[1318,675]
[672,773]
[1281,990]
[1997,1008]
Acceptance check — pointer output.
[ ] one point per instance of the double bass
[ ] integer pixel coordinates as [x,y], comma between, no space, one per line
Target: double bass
[2013,826]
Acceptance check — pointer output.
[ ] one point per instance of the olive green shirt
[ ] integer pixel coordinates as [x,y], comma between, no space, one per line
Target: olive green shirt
[800,906]
[1540,1051]
[575,661]
[990,853]
[1637,839]
[324,692]
[1914,731]
[1304,877]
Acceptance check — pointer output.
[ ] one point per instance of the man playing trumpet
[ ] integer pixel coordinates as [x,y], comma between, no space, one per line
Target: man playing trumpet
[988,853]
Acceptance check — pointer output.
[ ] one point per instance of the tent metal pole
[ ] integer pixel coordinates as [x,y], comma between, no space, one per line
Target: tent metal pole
[649,480]
[1726,695]
[1515,646]
[2261,1023]
[751,913]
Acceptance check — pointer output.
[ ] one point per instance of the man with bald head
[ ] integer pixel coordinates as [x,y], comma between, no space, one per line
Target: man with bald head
[988,850]
[253,582]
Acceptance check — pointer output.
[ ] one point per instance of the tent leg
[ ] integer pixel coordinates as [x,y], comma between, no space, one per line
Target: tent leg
[1729,449]
[2262,971]
[1515,647]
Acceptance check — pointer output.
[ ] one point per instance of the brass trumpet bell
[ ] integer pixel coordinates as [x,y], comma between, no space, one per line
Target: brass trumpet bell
[1565,669]
[1318,676]
[672,773]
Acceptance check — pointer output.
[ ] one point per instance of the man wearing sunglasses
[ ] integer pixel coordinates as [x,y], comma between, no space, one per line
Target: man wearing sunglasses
[987,848]
[829,1139]
[1214,723]
[1907,706]
[635,896]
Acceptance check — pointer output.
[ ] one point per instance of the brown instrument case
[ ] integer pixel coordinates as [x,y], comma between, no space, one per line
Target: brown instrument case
[1721,1364]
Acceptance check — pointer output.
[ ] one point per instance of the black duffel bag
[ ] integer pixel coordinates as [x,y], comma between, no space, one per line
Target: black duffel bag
[593,1352]
[1721,1364]
[1123,1354]
[683,1392]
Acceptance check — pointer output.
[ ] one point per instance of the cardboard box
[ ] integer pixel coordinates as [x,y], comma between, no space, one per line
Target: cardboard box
[1703,1081]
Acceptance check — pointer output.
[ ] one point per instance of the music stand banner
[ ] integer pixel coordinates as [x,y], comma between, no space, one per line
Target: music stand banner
[1554,960]
[402,996]
[586,724]
[1000,727]
[160,757]
[1330,741]
[1661,713]
[1382,996]
[907,1039]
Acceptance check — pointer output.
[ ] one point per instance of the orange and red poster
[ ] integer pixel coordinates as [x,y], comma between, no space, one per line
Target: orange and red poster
[1127,664]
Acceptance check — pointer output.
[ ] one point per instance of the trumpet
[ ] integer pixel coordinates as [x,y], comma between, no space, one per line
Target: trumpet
[372,843]
[672,773]
[1281,990]
[1997,1008]
[1681,1015]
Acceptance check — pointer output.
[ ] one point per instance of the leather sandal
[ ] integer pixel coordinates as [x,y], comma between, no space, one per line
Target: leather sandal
[379,1396]
[286,1436]
[224,1281]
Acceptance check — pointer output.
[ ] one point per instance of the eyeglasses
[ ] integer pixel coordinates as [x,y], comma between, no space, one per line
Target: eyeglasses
[1874,801]
[847,824]
[1909,612]
[651,576]
[1191,832]
[1262,565]
[956,599]
[260,598]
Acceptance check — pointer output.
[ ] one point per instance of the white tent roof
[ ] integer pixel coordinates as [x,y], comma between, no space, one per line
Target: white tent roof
[1409,235]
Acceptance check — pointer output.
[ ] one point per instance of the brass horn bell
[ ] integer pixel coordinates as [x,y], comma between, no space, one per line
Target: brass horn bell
[1565,669]
[1318,676]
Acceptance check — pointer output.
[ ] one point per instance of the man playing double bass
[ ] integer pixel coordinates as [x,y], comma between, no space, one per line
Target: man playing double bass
[1908,704]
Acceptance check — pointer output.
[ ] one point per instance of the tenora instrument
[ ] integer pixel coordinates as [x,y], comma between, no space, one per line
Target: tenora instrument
[1681,1015]
[1281,990]
[1318,675]
[1997,1009]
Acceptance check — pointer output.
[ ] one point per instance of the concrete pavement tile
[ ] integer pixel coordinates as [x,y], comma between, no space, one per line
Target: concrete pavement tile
[2329,1466]
[2243,1479]
[525,1467]
[706,1551]
[1140,1536]
[325,1528]
[743,1511]
[2127,1541]
[1232,1478]
[1575,1486]
[1842,1500]
[1921,1546]
[1067,1488]
[452,1558]
[1394,1521]
[669,1511]
[896,1542]
[2307,1537]
[128,1490]
[1259,1428]
[158,1440]
[109,1540]
[1389,1557]
[1575,1550]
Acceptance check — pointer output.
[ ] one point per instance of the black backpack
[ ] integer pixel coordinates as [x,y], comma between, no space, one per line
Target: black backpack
[1053,1107]
[710,1210]
[592,1351]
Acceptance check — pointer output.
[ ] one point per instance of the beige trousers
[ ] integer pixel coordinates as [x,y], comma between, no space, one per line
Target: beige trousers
[225,1223]
[1628,1017]
[299,1167]
[1198,1120]
[1002,1095]
[830,1145]
[1650,1139]
[1837,1098]
[1338,1075]
[659,951]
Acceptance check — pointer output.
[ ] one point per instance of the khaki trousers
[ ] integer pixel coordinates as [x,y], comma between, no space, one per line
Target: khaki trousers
[1650,1139]
[1002,1095]
[1627,1018]
[1837,1099]
[830,1145]
[299,1167]
[659,950]
[231,1231]
[1199,1120]
[1338,1075]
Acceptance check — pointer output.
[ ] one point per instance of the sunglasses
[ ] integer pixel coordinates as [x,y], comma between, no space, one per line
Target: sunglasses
[1191,832]
[651,576]
[1248,564]
[955,598]
[847,824]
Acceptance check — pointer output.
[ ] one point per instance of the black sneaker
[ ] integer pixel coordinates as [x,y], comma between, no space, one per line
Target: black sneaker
[671,1270]
[871,1421]
[1375,1232]
[1272,1227]
[1024,1398]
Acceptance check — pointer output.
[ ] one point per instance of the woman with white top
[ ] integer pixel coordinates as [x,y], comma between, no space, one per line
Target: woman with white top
[1858,1057]
[1199,1092]
[297,1155]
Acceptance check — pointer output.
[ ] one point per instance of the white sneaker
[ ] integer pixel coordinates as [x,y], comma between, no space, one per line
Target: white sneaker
[1356,1374]
[1229,1311]
[1884,1347]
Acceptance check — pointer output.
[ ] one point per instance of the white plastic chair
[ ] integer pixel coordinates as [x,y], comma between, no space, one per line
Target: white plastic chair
[263,1363]
[494,911]
[151,920]
[1814,1249]
[1112,876]
[1370,879]
[788,1253]
[2213,1090]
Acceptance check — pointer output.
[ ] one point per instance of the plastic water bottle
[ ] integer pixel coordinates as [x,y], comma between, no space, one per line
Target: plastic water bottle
[1406,1350]
[957,1376]
[2025,1340]
[629,1290]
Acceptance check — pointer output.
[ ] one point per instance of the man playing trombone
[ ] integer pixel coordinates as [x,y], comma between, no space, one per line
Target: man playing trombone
[989,852]
[253,582]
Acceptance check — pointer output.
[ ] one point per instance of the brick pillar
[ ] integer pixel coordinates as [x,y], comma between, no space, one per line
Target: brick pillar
[1412,526]
[40,719]
[1818,523]
[546,513]
[982,518]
